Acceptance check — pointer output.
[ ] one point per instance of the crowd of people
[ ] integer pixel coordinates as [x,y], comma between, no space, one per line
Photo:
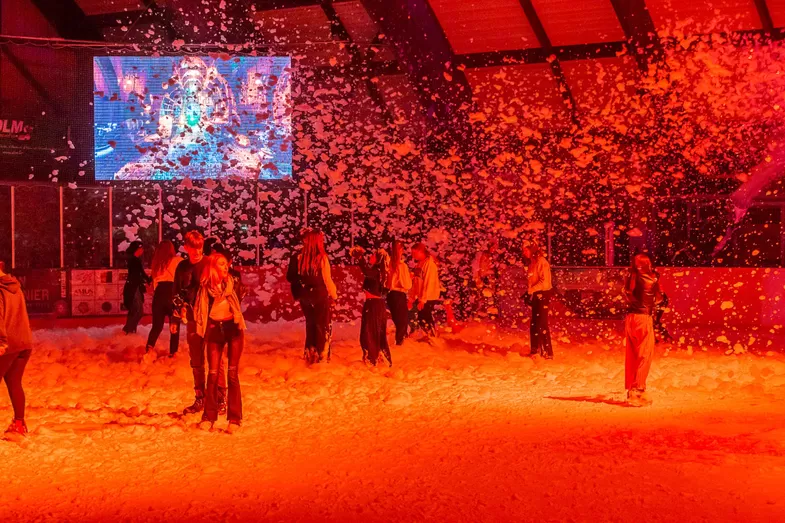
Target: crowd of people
[203,292]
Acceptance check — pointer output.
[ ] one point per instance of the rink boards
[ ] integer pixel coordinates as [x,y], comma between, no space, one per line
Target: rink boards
[699,296]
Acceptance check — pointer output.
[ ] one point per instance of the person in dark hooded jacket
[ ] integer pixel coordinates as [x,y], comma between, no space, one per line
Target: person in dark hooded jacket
[133,292]
[16,341]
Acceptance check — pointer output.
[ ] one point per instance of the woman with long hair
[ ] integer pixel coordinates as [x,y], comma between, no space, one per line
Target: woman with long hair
[219,320]
[309,272]
[16,343]
[165,262]
[643,294]
[538,295]
[399,283]
[373,328]
[134,289]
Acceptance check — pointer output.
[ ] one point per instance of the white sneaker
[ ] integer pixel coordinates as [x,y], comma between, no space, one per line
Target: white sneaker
[150,356]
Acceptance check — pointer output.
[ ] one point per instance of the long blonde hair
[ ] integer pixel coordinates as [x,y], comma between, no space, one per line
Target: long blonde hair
[211,277]
[163,256]
[312,254]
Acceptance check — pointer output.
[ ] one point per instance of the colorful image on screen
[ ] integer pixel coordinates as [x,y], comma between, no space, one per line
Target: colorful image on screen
[163,118]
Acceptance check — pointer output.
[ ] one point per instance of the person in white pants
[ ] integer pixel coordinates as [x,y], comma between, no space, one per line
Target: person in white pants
[642,291]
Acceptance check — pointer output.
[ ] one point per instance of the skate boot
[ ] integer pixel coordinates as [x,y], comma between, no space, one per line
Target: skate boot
[634,398]
[198,406]
[149,355]
[17,428]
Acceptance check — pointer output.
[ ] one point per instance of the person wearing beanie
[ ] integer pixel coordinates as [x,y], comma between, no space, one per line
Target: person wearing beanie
[133,292]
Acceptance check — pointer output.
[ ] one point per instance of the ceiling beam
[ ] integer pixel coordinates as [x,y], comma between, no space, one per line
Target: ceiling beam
[68,19]
[545,44]
[638,27]
[428,59]
[360,58]
[542,55]
[765,15]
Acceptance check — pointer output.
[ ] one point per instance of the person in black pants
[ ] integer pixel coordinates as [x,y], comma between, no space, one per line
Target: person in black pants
[539,296]
[373,328]
[426,291]
[309,273]
[165,262]
[187,280]
[16,341]
[134,289]
[399,283]
[219,320]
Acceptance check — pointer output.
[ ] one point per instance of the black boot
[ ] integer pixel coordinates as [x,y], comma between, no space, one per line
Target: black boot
[198,406]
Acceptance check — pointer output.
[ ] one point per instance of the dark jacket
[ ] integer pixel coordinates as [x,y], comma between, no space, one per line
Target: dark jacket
[306,286]
[135,281]
[15,334]
[136,275]
[373,282]
[293,276]
[643,292]
[187,278]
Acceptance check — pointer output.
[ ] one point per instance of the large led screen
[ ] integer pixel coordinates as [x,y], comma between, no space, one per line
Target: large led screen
[163,118]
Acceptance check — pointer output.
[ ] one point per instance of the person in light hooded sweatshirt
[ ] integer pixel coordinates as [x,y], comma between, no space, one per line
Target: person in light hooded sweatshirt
[16,341]
[426,290]
[538,296]
[399,283]
[643,294]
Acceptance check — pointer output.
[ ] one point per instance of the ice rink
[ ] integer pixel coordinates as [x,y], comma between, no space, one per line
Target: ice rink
[464,428]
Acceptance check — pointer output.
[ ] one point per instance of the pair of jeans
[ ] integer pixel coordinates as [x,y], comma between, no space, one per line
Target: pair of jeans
[540,335]
[12,368]
[135,312]
[224,336]
[196,350]
[399,310]
[162,309]
[316,310]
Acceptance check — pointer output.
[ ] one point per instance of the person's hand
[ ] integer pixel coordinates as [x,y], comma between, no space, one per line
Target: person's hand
[3,349]
[420,305]
[409,304]
[173,328]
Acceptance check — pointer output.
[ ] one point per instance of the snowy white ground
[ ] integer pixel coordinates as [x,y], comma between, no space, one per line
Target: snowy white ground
[464,430]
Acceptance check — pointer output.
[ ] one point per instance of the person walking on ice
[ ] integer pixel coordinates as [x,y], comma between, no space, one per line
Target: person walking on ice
[643,294]
[16,341]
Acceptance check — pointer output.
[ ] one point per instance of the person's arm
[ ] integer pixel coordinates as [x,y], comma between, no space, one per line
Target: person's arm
[293,272]
[146,277]
[177,286]
[3,332]
[539,270]
[328,279]
[629,285]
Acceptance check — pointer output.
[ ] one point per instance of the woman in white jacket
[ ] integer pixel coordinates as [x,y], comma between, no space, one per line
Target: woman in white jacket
[399,283]
[426,289]
[539,296]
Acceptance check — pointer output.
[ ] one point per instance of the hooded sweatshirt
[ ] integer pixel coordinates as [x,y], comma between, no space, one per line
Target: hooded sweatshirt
[15,335]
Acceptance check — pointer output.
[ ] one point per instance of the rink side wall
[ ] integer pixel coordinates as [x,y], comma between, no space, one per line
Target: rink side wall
[698,296]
